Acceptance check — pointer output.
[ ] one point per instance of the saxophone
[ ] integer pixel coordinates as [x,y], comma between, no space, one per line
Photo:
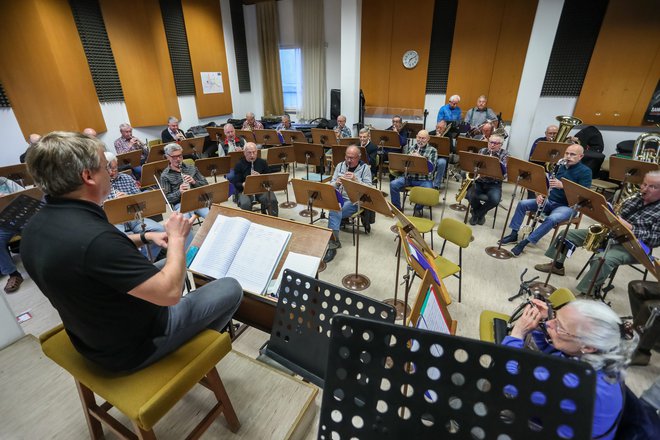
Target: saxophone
[467,182]
[597,234]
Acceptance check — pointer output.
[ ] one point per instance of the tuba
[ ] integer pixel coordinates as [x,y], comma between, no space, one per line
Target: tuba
[566,124]
[640,152]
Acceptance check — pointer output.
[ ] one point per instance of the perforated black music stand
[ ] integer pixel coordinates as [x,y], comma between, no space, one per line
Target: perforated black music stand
[300,336]
[385,381]
[17,208]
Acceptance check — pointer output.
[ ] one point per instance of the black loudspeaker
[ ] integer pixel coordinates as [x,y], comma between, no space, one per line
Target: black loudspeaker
[335,103]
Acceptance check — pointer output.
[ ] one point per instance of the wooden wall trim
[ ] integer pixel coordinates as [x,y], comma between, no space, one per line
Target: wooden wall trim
[206,43]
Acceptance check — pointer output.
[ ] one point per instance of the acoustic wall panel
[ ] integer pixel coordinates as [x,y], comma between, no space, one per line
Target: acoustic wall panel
[444,17]
[177,43]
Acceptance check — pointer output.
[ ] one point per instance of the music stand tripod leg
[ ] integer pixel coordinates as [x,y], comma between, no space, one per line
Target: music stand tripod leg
[356,281]
[497,251]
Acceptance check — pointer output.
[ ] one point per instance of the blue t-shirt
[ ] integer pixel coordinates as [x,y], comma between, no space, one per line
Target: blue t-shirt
[448,114]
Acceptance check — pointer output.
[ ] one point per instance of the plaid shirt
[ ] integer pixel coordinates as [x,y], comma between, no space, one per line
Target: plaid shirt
[431,155]
[645,220]
[123,183]
[170,180]
[257,125]
[123,145]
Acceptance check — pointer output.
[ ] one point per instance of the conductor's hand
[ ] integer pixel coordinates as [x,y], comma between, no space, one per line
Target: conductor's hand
[539,199]
[177,226]
[530,319]
[554,183]
[157,238]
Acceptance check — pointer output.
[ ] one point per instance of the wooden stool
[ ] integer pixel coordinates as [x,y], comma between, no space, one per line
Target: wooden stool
[145,396]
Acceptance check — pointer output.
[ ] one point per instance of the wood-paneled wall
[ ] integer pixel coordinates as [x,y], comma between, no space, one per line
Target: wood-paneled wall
[488,55]
[389,29]
[44,70]
[625,65]
[207,54]
[137,37]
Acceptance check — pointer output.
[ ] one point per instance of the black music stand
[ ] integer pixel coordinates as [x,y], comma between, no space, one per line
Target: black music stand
[214,166]
[386,381]
[300,337]
[18,173]
[192,146]
[365,197]
[150,171]
[384,138]
[131,159]
[156,153]
[283,156]
[204,196]
[629,171]
[525,174]
[291,136]
[479,165]
[267,137]
[266,183]
[549,152]
[247,135]
[17,208]
[309,154]
[324,137]
[315,194]
[135,207]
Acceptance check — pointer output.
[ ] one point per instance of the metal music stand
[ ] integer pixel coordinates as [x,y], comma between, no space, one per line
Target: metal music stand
[291,136]
[349,141]
[248,135]
[266,183]
[149,172]
[629,171]
[18,173]
[17,208]
[528,175]
[549,151]
[192,146]
[315,194]
[156,153]
[365,197]
[135,207]
[465,144]
[324,137]
[216,134]
[386,381]
[214,166]
[131,159]
[204,196]
[443,147]
[479,165]
[384,138]
[309,154]
[267,137]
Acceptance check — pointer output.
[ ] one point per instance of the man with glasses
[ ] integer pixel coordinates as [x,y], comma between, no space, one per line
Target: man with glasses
[450,112]
[252,165]
[179,177]
[421,148]
[640,213]
[397,125]
[352,169]
[487,192]
[556,207]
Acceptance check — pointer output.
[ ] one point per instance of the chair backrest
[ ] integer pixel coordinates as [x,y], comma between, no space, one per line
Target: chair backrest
[424,196]
[457,232]
[189,162]
[561,297]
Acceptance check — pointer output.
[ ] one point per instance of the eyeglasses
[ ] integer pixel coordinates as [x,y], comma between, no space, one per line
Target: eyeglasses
[177,156]
[560,329]
[494,143]
[651,187]
[351,157]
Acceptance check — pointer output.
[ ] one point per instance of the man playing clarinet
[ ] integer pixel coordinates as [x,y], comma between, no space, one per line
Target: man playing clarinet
[179,177]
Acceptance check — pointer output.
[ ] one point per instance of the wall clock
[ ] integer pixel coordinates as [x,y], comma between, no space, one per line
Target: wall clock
[410,59]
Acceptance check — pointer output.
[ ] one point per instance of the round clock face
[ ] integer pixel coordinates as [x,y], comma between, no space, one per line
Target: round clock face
[410,59]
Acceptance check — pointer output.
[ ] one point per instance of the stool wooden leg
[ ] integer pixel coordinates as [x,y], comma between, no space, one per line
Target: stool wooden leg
[88,401]
[220,392]
[142,434]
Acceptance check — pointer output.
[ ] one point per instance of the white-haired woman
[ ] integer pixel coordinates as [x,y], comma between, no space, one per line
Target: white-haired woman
[588,331]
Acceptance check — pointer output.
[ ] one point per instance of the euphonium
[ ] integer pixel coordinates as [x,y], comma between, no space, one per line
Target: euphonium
[640,152]
[596,236]
[465,186]
[566,124]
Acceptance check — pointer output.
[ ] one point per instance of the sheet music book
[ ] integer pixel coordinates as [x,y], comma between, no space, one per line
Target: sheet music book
[304,264]
[431,316]
[238,248]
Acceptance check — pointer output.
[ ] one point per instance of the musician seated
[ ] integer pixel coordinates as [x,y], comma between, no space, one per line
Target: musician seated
[440,129]
[7,265]
[397,125]
[252,165]
[550,135]
[127,143]
[351,169]
[450,112]
[421,148]
[486,187]
[341,130]
[251,123]
[172,133]
[179,177]
[643,295]
[372,150]
[285,124]
[232,142]
[484,132]
[122,184]
[32,139]
[556,207]
[481,114]
[640,213]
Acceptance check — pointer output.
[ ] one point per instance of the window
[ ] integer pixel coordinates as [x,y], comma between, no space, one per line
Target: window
[291,70]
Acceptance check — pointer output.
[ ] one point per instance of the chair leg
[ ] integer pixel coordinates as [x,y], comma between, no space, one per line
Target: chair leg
[88,401]
[585,265]
[142,434]
[460,273]
[220,392]
[495,216]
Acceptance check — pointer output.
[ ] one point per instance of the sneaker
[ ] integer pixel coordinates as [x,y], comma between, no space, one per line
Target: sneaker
[639,358]
[517,249]
[334,244]
[13,283]
[481,220]
[512,238]
[550,267]
[473,220]
[330,255]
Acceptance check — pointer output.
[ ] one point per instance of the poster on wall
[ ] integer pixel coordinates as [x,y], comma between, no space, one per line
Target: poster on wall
[212,82]
[652,114]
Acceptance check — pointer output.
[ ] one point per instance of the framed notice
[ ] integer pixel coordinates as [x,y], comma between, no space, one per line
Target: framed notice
[212,82]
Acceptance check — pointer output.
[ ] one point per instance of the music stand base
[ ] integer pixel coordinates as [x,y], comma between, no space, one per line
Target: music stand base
[499,253]
[307,213]
[288,205]
[539,287]
[399,306]
[394,229]
[458,207]
[356,281]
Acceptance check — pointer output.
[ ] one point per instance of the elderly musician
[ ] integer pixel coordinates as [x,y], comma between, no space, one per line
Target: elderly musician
[353,168]
[479,115]
[487,192]
[251,123]
[556,205]
[450,112]
[127,142]
[122,184]
[121,312]
[252,165]
[285,124]
[484,132]
[179,177]
[341,130]
[420,148]
[640,213]
[397,125]
[172,133]
[371,148]
[232,142]
[549,136]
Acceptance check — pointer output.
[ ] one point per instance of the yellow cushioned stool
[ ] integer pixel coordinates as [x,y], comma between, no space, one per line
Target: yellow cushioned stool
[145,396]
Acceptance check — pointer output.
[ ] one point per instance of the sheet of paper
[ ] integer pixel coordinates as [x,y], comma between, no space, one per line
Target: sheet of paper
[220,246]
[431,317]
[304,264]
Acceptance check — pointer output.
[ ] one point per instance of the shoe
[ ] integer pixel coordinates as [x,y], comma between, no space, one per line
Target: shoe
[330,255]
[639,358]
[473,220]
[512,238]
[550,267]
[13,283]
[517,249]
[481,220]
[334,244]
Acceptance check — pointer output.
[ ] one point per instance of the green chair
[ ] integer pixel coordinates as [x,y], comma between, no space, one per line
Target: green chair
[427,197]
[459,234]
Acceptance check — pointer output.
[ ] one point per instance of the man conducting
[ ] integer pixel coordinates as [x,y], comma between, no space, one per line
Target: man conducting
[252,165]
[120,311]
